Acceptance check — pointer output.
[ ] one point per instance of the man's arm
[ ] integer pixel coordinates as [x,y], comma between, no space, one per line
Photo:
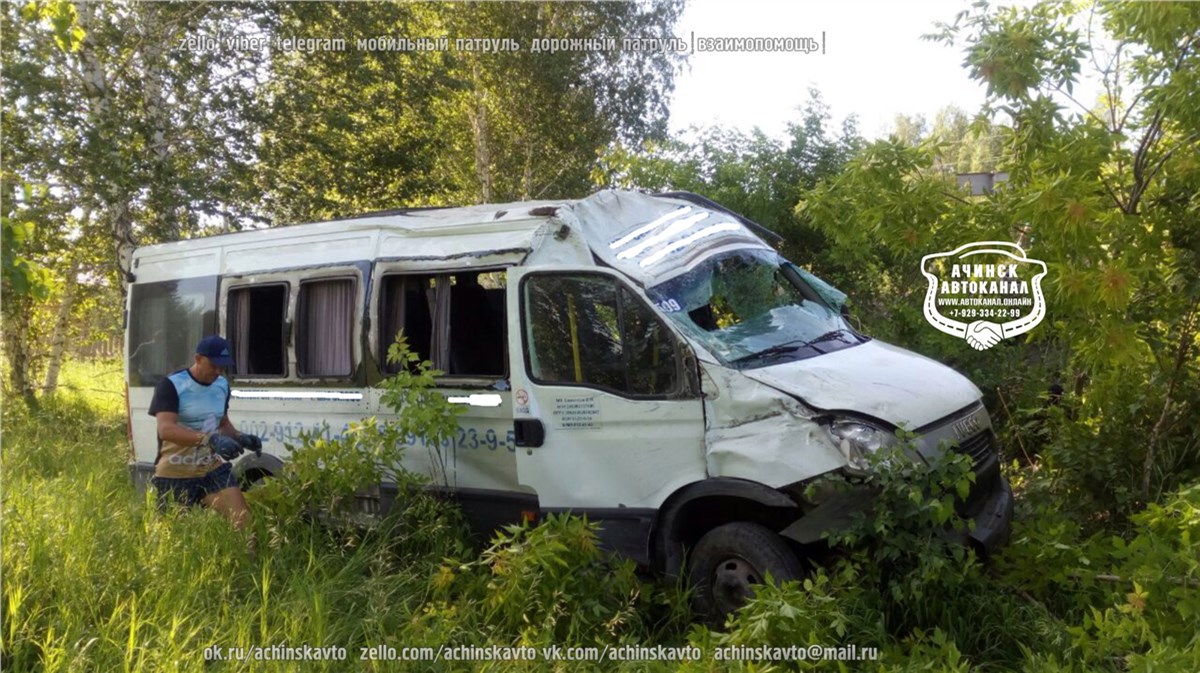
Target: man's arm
[226,428]
[170,430]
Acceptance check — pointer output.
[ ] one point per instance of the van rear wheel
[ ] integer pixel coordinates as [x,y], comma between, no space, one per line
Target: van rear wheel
[252,478]
[730,560]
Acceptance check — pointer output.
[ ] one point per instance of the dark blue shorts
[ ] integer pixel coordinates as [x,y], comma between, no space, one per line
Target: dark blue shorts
[189,492]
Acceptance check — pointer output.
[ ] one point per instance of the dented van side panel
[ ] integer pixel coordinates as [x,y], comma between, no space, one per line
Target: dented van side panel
[755,432]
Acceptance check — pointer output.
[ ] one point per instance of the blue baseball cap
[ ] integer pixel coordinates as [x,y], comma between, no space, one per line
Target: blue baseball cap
[216,349]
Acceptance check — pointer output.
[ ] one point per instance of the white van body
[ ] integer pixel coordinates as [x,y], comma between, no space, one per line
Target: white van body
[602,369]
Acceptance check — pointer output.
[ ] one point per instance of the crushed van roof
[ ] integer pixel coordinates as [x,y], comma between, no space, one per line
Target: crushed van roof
[647,237]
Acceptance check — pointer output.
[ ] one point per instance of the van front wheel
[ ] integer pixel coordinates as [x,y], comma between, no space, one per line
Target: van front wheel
[729,560]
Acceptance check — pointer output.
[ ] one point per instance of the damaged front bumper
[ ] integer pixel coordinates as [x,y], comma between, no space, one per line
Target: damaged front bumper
[993,520]
[989,507]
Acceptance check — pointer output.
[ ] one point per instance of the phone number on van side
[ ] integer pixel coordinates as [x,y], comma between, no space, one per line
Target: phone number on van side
[466,438]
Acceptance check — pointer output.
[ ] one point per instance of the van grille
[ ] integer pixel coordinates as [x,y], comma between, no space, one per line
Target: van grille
[978,447]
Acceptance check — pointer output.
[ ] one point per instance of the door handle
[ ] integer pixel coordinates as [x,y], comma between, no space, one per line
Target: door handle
[529,432]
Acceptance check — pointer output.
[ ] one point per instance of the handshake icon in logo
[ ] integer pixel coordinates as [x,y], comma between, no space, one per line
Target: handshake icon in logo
[982,334]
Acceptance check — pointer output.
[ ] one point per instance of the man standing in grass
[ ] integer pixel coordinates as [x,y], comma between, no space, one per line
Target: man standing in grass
[196,441]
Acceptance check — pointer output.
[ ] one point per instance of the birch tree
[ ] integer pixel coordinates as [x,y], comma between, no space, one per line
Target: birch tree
[363,129]
[108,111]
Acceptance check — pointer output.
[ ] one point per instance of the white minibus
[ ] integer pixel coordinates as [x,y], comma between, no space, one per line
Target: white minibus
[647,360]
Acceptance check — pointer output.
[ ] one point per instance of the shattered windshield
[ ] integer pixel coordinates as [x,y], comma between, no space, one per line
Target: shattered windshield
[749,309]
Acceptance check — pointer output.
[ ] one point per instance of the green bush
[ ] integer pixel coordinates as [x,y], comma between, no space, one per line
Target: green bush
[327,473]
[1150,620]
[908,539]
[924,581]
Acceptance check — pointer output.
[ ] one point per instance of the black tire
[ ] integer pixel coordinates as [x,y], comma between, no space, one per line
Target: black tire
[729,560]
[252,478]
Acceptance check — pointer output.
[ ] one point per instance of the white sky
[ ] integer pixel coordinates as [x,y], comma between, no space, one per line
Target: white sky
[875,66]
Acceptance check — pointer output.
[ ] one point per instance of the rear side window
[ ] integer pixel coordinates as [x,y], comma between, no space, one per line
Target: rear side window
[256,318]
[325,328]
[590,330]
[166,321]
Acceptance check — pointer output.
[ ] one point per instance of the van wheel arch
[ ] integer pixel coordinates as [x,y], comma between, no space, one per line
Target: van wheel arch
[253,469]
[694,510]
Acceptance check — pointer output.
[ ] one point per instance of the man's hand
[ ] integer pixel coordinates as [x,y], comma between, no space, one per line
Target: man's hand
[252,443]
[225,447]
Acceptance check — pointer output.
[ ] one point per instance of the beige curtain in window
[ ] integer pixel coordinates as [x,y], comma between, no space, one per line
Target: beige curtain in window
[393,319]
[325,328]
[238,324]
[441,324]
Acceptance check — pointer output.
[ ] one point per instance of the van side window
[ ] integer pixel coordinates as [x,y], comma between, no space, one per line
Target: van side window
[166,320]
[455,320]
[255,318]
[325,328]
[477,324]
[405,304]
[588,329]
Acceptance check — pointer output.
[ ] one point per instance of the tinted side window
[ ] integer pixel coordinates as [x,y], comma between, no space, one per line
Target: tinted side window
[255,317]
[325,328]
[587,329]
[166,321]
[650,353]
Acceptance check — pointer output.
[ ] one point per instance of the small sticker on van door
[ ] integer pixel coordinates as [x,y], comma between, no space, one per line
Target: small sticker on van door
[576,413]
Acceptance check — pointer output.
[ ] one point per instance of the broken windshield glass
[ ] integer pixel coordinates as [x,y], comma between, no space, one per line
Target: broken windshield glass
[748,311]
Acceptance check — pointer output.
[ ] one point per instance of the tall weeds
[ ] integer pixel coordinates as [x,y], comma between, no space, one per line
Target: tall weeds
[95,579]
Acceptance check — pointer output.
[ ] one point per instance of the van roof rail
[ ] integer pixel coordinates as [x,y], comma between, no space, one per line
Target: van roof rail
[390,212]
[713,205]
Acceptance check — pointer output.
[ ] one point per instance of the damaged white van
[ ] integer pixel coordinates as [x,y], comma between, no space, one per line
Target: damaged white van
[646,360]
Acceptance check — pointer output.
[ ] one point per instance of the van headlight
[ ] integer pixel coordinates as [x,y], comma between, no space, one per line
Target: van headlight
[857,440]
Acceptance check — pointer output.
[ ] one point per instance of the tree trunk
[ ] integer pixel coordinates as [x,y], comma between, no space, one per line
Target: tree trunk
[19,351]
[1186,336]
[482,137]
[122,231]
[99,101]
[58,340]
[157,34]
[527,182]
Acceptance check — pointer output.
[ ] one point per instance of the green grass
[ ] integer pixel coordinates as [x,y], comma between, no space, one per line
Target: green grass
[98,383]
[95,579]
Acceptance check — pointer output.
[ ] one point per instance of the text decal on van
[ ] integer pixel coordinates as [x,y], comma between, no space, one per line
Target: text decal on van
[576,413]
[467,438]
